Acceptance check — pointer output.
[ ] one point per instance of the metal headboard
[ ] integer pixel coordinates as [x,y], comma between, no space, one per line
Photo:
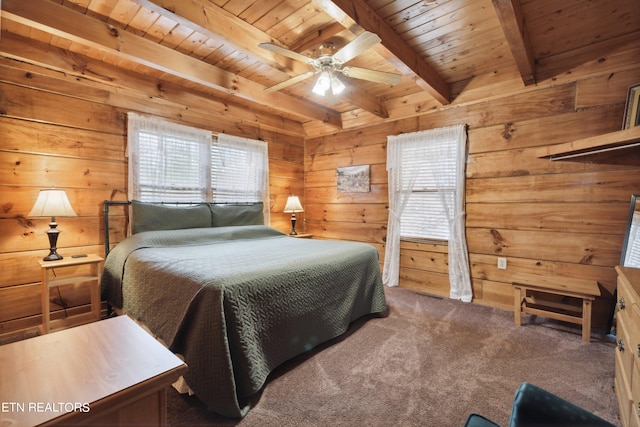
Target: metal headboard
[106,206]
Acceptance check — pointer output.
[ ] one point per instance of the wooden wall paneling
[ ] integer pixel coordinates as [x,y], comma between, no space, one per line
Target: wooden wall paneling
[610,186]
[285,168]
[509,163]
[21,102]
[568,247]
[579,217]
[425,281]
[62,172]
[605,89]
[484,266]
[19,301]
[17,201]
[557,128]
[367,155]
[495,294]
[326,195]
[33,137]
[369,213]
[30,234]
[437,262]
[370,233]
[535,103]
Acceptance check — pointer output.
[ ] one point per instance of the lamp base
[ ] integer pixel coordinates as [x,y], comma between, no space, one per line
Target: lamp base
[53,233]
[53,256]
[293,225]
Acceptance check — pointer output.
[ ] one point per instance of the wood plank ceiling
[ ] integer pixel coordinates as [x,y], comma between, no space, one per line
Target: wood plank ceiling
[448,51]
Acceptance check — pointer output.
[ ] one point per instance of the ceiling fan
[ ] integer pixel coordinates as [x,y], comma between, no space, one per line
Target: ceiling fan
[329,63]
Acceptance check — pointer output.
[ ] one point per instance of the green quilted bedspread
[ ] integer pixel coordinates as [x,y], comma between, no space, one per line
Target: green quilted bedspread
[239,301]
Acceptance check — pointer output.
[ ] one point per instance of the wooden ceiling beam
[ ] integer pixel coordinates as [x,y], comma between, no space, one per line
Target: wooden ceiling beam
[66,23]
[223,27]
[357,16]
[512,21]
[315,39]
[226,28]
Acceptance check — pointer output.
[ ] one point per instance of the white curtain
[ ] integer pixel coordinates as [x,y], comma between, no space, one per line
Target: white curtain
[161,155]
[401,185]
[244,167]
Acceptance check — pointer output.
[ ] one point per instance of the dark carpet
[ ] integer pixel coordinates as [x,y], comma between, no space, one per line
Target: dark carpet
[430,362]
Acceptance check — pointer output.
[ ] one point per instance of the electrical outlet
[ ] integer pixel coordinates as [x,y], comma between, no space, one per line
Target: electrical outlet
[502,263]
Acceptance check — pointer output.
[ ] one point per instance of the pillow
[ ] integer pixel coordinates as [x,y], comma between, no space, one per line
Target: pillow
[224,215]
[153,216]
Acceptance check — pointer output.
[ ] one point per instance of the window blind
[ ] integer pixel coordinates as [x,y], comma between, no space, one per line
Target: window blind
[232,177]
[425,217]
[169,169]
[175,163]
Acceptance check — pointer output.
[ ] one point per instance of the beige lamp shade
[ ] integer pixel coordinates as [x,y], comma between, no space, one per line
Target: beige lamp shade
[52,203]
[293,205]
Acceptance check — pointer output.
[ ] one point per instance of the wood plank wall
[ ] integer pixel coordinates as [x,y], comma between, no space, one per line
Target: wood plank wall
[67,128]
[550,218]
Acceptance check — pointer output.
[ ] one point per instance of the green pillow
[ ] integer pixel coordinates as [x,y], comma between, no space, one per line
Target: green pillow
[154,216]
[224,215]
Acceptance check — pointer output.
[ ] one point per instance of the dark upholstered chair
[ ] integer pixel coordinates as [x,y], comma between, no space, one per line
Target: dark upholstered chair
[536,407]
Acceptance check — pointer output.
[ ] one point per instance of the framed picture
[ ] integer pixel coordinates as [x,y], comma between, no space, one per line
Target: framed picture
[353,179]
[631,110]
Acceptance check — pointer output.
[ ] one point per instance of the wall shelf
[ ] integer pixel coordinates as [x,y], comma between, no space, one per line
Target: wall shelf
[620,140]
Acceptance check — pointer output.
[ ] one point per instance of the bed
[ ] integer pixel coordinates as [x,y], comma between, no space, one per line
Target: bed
[235,297]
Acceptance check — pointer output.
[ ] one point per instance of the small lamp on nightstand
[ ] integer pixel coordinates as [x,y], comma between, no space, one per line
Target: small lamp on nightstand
[52,203]
[293,205]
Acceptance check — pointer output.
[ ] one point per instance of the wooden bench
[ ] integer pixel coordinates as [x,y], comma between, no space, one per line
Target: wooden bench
[586,290]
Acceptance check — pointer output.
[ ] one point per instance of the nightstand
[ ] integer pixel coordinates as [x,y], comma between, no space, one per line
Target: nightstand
[302,235]
[79,271]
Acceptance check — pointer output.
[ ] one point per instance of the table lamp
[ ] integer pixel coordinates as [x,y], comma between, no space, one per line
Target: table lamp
[293,205]
[52,203]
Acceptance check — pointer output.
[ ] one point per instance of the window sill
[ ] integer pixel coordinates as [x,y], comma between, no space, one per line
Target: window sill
[424,240]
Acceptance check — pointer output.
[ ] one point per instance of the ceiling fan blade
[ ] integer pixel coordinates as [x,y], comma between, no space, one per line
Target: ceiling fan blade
[371,75]
[286,52]
[356,46]
[291,81]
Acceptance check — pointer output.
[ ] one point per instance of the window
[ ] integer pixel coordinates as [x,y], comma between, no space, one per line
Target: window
[425,216]
[175,163]
[426,200]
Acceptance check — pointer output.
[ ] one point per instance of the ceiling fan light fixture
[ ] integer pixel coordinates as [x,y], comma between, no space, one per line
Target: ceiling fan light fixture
[323,84]
[329,62]
[337,87]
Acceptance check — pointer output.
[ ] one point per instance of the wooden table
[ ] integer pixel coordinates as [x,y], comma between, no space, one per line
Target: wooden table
[110,372]
[583,289]
[302,235]
[53,275]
